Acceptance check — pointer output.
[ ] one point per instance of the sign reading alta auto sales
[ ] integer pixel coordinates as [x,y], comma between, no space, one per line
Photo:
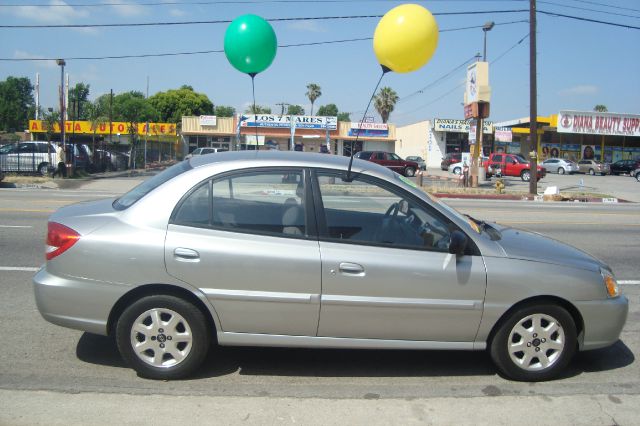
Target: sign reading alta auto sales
[115,127]
[598,123]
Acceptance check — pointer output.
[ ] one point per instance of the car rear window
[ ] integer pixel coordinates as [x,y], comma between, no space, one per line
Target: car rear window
[131,197]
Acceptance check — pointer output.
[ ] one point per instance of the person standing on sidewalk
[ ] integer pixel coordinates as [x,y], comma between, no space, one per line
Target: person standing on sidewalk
[61,170]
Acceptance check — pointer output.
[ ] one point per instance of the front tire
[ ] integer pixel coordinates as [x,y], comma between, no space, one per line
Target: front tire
[43,169]
[409,172]
[638,177]
[561,171]
[163,337]
[457,170]
[535,343]
[525,175]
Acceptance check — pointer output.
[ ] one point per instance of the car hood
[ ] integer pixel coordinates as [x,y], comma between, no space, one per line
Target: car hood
[526,245]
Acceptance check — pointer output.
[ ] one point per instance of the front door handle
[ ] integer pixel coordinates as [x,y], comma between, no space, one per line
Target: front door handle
[351,268]
[186,255]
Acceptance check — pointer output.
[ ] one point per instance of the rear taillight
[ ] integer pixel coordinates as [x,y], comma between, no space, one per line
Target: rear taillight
[60,238]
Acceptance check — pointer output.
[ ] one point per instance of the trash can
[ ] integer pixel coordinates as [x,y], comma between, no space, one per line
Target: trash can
[482,174]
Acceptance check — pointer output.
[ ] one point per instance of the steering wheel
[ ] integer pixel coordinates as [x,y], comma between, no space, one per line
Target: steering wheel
[392,211]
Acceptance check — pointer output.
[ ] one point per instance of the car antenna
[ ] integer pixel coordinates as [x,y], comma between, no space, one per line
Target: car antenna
[384,71]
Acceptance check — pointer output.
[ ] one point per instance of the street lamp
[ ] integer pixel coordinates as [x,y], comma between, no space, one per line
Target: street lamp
[486,28]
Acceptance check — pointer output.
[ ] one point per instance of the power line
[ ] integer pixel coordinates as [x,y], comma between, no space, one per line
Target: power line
[220,2]
[578,18]
[226,21]
[438,80]
[587,9]
[462,84]
[607,5]
[204,52]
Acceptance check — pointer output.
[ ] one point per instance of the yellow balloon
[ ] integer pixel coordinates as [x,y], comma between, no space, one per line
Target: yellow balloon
[406,38]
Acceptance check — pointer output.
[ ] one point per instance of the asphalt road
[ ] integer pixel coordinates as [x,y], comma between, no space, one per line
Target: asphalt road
[52,375]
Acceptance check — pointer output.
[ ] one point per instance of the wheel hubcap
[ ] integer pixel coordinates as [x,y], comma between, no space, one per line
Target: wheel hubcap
[536,342]
[161,337]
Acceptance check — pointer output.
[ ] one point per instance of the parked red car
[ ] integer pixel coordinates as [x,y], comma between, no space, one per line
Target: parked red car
[389,160]
[511,165]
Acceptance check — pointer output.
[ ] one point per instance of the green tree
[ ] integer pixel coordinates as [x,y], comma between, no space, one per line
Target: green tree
[259,109]
[16,103]
[330,110]
[224,111]
[133,108]
[600,108]
[385,101]
[295,110]
[78,102]
[344,116]
[313,92]
[172,105]
[96,117]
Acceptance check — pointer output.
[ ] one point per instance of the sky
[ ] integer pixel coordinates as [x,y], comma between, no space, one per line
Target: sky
[580,64]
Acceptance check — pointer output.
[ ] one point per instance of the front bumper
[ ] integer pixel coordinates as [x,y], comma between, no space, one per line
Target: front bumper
[603,321]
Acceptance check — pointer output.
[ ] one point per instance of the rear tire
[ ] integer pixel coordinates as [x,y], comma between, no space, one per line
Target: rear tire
[638,177]
[409,172]
[163,337]
[525,175]
[592,172]
[535,343]
[457,170]
[43,169]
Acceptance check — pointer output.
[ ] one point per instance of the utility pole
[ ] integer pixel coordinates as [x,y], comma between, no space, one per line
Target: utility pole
[282,105]
[62,63]
[533,100]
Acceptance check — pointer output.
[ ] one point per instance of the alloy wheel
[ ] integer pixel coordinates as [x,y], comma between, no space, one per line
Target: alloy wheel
[536,342]
[161,337]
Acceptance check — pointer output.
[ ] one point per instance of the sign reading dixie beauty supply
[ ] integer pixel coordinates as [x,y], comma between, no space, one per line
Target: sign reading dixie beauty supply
[598,123]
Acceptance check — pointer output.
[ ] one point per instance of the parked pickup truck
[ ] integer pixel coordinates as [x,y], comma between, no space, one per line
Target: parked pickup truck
[511,165]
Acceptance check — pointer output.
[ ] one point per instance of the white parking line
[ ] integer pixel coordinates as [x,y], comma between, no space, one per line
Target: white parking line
[19,268]
[15,226]
[629,282]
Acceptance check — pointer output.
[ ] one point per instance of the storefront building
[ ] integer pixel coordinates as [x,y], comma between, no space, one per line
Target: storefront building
[285,132]
[432,140]
[576,135]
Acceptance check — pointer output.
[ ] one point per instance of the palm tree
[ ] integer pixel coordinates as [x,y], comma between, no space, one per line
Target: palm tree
[257,109]
[313,93]
[600,108]
[385,102]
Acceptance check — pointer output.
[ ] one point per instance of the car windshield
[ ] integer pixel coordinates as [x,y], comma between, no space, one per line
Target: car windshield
[128,199]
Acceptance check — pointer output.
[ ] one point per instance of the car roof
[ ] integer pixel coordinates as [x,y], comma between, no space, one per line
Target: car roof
[290,158]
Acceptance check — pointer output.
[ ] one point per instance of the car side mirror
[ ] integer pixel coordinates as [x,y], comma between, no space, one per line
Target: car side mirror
[458,243]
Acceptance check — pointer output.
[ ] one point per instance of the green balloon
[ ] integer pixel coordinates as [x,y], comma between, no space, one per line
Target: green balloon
[250,44]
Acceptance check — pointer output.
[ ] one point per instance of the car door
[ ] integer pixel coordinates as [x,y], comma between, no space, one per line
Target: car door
[246,242]
[386,270]
[497,162]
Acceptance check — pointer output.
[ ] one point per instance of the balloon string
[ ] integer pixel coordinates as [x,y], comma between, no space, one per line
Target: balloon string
[253,90]
[384,71]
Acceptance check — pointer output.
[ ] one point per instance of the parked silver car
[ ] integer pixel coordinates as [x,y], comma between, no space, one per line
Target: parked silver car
[594,167]
[560,166]
[28,157]
[296,249]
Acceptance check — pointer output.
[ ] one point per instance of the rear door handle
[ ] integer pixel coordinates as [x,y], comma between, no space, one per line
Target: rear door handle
[351,268]
[186,255]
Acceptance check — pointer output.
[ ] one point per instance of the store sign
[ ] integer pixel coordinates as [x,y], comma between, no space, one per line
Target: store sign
[598,123]
[503,135]
[369,129]
[85,127]
[458,126]
[299,121]
[208,120]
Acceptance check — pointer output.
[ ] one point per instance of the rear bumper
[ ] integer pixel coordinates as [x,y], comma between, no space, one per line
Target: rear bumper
[74,302]
[604,320]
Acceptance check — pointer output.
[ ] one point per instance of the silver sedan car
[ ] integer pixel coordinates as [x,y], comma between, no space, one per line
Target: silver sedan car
[560,166]
[307,250]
